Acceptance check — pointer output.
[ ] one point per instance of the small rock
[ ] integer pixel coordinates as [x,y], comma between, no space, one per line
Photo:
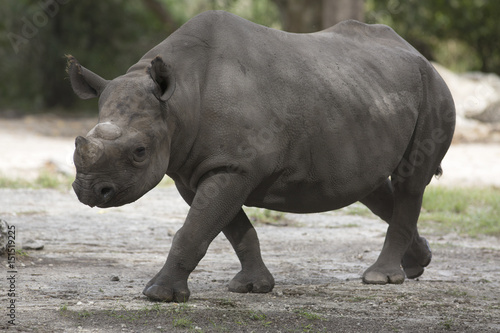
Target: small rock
[490,115]
[31,244]
[115,278]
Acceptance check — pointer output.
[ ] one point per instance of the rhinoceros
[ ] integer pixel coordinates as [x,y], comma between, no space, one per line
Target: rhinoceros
[240,114]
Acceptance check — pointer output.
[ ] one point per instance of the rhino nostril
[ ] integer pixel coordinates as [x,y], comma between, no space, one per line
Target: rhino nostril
[107,192]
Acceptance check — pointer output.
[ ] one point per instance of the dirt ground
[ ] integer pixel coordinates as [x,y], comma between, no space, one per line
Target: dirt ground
[94,264]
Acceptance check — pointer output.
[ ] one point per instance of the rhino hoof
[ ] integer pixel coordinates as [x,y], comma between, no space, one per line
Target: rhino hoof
[417,257]
[414,272]
[244,284]
[162,294]
[375,276]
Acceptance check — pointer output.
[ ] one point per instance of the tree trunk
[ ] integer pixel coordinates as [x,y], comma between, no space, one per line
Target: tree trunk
[161,13]
[314,15]
[300,15]
[335,11]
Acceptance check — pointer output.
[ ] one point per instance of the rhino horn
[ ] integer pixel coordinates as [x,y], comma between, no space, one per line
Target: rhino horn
[85,83]
[106,131]
[87,152]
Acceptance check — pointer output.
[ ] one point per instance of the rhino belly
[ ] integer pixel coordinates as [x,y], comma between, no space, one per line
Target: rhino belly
[307,195]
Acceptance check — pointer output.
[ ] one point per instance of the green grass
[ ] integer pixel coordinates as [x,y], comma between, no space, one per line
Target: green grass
[357,209]
[466,211]
[166,182]
[22,253]
[308,315]
[264,216]
[46,179]
[257,315]
[51,179]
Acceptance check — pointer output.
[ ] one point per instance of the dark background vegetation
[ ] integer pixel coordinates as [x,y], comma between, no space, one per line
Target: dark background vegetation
[109,36]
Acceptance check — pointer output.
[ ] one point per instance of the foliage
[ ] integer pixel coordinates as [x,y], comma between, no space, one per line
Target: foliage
[461,34]
[105,36]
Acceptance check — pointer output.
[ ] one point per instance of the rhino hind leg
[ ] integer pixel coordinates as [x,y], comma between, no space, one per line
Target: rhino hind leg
[418,255]
[399,238]
[254,275]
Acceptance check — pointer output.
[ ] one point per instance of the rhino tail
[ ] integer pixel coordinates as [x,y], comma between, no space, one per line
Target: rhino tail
[439,171]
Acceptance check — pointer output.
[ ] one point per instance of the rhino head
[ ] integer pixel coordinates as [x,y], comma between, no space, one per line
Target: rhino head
[127,153]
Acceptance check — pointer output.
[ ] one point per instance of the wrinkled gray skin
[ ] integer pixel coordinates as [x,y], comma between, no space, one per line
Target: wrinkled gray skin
[240,114]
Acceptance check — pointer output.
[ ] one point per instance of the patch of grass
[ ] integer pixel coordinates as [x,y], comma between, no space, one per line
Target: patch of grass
[183,322]
[257,315]
[166,182]
[308,315]
[357,209]
[6,182]
[261,317]
[47,178]
[447,324]
[342,226]
[63,308]
[465,211]
[180,317]
[84,314]
[229,303]
[456,293]
[266,216]
[133,315]
[470,211]
[22,253]
[360,298]
[218,327]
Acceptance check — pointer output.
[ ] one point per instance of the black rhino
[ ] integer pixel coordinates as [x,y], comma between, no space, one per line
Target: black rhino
[240,114]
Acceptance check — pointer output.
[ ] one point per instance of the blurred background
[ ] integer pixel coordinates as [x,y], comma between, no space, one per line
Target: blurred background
[109,36]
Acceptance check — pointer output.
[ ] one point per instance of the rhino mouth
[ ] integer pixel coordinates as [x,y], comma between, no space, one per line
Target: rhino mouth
[102,194]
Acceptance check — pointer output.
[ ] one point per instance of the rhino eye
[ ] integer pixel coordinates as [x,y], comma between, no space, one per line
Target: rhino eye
[139,154]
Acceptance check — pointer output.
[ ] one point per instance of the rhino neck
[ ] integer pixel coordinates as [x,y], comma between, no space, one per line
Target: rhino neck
[183,130]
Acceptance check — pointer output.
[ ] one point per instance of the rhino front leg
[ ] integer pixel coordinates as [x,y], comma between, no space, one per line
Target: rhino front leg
[218,199]
[254,275]
[400,236]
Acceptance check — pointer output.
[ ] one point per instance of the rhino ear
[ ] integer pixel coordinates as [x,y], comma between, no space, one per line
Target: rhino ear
[85,83]
[162,75]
